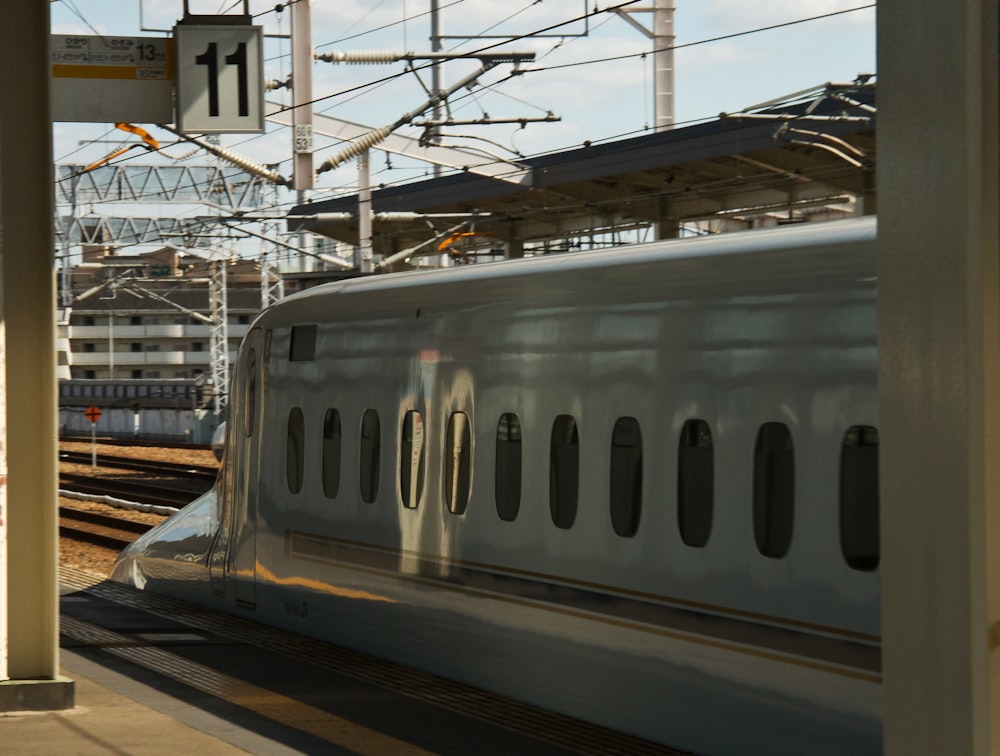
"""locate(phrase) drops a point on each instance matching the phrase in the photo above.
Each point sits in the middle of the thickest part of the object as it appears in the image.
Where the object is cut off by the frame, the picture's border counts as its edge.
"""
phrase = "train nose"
(127, 569)
(219, 440)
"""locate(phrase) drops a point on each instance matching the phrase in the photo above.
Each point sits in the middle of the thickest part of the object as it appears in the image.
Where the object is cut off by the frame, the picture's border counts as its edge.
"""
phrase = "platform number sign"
(220, 79)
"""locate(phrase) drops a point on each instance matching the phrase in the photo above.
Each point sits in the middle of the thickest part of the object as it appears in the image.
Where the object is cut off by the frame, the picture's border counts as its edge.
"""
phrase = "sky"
(722, 64)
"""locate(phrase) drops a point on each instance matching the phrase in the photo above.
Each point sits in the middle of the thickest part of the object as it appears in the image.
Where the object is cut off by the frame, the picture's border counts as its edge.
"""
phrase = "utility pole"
(663, 63)
(662, 34)
(302, 110)
(272, 285)
(365, 254)
(437, 46)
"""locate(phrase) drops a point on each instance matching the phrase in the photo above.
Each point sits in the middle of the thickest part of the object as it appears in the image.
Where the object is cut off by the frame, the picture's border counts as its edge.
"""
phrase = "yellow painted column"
(28, 299)
(939, 374)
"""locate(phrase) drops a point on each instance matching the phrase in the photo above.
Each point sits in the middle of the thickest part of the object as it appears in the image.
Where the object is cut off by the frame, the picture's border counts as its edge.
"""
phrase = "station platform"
(158, 676)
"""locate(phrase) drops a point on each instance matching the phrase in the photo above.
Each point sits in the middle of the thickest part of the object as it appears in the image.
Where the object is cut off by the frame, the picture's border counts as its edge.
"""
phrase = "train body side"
(714, 647)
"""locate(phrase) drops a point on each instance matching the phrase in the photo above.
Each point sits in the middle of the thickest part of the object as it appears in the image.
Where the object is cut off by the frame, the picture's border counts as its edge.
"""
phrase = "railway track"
(205, 473)
(99, 529)
(85, 438)
(158, 493)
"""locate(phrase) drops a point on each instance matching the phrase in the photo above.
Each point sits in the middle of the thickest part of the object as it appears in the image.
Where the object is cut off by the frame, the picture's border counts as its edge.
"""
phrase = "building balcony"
(103, 332)
(151, 360)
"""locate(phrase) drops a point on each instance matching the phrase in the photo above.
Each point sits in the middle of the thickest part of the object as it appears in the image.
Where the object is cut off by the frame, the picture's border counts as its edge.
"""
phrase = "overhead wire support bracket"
(372, 138)
(457, 158)
(828, 142)
(796, 117)
(309, 222)
(375, 57)
(319, 256)
(549, 117)
(221, 152)
(415, 251)
(245, 18)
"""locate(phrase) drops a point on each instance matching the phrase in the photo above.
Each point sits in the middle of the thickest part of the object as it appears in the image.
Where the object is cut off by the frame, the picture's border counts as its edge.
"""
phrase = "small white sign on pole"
(220, 79)
(93, 414)
(112, 79)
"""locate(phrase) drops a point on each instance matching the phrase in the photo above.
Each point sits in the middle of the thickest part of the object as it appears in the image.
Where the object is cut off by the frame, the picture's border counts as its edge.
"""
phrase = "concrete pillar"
(515, 244)
(663, 63)
(868, 200)
(939, 374)
(668, 225)
(27, 274)
(366, 262)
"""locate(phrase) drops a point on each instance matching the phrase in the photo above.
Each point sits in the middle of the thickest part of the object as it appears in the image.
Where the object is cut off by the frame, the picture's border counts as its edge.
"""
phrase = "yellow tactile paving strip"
(546, 726)
(266, 703)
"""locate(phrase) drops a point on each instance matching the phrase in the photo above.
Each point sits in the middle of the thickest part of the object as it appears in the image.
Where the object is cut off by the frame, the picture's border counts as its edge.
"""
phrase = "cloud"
(736, 15)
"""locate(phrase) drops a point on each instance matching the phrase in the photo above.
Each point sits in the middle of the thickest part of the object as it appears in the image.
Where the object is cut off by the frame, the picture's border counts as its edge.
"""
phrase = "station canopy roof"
(806, 156)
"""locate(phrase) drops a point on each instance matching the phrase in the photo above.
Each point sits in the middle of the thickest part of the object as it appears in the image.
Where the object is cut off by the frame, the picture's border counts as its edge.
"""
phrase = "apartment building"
(146, 316)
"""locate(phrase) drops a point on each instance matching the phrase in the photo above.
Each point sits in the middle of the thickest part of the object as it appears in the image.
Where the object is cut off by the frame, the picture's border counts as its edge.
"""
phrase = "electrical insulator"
(370, 57)
(273, 84)
(356, 148)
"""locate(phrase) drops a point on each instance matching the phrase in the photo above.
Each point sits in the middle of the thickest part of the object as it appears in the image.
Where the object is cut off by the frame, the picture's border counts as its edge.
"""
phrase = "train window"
(303, 346)
(331, 453)
(294, 449)
(626, 476)
(859, 502)
(773, 490)
(251, 391)
(371, 444)
(507, 483)
(695, 483)
(458, 463)
(564, 471)
(411, 459)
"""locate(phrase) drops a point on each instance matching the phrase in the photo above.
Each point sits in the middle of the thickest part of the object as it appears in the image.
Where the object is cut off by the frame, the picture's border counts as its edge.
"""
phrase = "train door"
(234, 556)
(247, 483)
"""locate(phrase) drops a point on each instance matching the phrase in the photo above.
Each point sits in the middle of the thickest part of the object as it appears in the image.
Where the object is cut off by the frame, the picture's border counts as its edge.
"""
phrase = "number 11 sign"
(220, 79)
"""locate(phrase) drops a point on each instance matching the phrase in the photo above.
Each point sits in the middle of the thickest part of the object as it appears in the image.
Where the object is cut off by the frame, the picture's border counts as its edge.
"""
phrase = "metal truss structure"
(126, 231)
(223, 185)
(218, 186)
(219, 337)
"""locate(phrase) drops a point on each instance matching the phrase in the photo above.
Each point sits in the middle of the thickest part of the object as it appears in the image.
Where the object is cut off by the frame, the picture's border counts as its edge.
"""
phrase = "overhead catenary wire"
(522, 71)
(708, 40)
(493, 87)
(580, 63)
(471, 54)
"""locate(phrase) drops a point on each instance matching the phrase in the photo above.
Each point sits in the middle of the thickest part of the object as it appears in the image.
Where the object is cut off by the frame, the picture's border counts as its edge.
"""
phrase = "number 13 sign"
(220, 79)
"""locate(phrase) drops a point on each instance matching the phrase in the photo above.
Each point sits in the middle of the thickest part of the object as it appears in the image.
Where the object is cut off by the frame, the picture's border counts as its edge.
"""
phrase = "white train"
(638, 487)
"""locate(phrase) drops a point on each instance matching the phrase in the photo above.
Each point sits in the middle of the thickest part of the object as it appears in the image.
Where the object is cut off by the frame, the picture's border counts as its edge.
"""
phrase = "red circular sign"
(92, 414)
